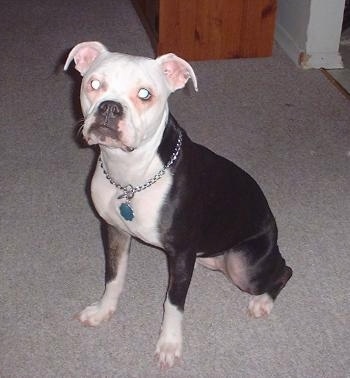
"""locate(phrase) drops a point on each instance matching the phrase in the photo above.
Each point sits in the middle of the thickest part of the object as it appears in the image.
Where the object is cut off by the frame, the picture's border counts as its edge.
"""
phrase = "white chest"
(146, 205)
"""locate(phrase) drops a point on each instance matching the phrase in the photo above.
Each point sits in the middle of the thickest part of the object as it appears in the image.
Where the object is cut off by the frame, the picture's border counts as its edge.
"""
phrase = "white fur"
(134, 168)
(169, 346)
(260, 305)
(146, 206)
(113, 71)
(102, 311)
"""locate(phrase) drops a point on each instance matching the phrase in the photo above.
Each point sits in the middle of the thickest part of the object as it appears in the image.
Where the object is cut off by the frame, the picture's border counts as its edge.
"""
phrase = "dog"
(153, 183)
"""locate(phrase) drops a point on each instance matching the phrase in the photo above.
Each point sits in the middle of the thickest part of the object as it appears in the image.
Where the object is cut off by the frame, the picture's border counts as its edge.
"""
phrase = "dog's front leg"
(169, 346)
(117, 251)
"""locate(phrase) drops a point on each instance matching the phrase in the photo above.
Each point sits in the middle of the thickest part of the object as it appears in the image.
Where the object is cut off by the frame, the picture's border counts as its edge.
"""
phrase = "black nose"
(110, 109)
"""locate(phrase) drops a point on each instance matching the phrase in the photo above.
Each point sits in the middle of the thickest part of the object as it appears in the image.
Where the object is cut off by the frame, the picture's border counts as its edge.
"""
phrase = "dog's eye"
(95, 84)
(144, 94)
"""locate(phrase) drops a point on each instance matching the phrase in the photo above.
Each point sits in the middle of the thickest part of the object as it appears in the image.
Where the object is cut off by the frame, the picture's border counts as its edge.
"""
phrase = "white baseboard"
(287, 43)
(328, 60)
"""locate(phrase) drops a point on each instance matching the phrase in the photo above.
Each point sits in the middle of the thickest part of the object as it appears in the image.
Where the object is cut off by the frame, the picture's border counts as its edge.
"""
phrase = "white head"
(123, 97)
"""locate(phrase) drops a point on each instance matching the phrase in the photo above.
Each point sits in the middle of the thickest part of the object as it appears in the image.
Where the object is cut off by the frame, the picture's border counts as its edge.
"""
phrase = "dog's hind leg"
(259, 269)
(261, 305)
(116, 254)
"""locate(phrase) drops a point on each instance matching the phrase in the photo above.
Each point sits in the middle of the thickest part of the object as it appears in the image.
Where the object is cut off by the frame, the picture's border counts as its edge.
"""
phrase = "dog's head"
(124, 97)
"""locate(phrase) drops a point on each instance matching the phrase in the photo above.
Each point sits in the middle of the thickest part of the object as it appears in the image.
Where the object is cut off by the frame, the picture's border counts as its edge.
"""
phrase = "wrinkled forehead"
(126, 71)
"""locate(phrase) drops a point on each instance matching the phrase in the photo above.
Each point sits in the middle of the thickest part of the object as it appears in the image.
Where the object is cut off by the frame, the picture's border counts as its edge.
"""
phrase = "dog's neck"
(139, 165)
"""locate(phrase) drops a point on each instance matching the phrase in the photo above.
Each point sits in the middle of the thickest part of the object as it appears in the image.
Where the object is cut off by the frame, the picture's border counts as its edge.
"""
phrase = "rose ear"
(176, 71)
(84, 54)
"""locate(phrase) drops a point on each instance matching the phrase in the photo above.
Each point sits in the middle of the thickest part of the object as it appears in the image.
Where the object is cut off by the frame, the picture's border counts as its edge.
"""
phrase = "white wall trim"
(327, 60)
(288, 44)
(323, 34)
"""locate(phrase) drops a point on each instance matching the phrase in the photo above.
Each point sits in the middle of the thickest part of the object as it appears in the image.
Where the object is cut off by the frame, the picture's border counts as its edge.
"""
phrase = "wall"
(309, 31)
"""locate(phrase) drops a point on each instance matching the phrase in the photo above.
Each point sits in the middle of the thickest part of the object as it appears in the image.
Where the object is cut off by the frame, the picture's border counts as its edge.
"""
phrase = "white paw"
(260, 305)
(96, 314)
(168, 352)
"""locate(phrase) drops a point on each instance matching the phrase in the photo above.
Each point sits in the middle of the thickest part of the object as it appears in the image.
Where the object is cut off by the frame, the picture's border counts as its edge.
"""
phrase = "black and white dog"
(153, 183)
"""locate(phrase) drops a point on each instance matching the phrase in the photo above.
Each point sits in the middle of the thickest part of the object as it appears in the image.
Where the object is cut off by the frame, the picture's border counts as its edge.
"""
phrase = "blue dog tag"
(126, 211)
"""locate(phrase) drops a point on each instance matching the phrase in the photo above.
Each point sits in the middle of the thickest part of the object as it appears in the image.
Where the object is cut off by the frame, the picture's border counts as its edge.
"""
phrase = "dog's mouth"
(104, 132)
(107, 127)
(106, 136)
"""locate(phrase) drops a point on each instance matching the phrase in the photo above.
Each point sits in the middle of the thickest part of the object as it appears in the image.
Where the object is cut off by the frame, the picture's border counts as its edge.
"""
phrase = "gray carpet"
(287, 127)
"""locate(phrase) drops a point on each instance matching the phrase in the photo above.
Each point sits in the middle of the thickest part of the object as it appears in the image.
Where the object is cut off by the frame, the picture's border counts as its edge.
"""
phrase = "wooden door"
(216, 29)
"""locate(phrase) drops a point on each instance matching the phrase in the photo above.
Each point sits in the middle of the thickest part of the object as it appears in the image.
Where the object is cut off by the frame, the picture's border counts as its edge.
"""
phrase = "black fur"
(215, 207)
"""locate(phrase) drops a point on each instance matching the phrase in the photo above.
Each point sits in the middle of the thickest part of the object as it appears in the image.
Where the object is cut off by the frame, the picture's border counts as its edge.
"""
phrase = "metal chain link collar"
(130, 190)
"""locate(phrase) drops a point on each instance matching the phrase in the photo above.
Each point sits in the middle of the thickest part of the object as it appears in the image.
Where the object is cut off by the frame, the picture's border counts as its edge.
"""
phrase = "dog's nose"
(110, 109)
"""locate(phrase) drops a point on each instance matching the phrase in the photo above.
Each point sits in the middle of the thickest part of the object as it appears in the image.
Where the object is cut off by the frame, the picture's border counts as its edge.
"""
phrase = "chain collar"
(130, 190)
